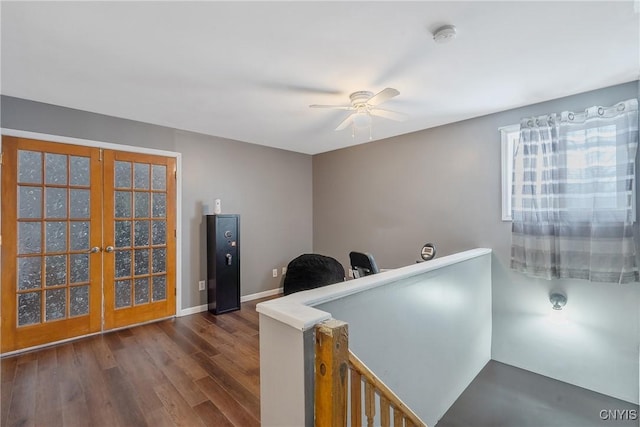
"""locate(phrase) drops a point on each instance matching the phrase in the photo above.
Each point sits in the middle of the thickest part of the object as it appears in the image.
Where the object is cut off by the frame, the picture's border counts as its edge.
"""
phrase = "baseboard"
(259, 295)
(245, 298)
(192, 310)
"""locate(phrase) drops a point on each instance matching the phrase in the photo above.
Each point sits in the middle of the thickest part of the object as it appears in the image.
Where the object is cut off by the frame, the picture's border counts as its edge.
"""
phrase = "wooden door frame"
(128, 148)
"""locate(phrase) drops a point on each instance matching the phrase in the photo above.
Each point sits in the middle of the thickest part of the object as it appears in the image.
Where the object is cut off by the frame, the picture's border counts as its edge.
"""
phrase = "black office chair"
(362, 264)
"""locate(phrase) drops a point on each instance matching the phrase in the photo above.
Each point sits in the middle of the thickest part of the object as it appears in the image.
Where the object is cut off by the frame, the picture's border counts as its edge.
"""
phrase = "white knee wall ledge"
(296, 310)
(287, 340)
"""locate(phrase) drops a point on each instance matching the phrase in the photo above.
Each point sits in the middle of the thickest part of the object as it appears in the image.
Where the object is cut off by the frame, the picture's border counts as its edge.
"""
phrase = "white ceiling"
(249, 70)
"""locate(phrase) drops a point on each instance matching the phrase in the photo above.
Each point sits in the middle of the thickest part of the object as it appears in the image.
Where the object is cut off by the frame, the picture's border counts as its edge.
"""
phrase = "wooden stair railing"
(338, 370)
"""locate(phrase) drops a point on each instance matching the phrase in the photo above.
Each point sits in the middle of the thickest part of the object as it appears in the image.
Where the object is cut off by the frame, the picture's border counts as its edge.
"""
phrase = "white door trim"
(133, 149)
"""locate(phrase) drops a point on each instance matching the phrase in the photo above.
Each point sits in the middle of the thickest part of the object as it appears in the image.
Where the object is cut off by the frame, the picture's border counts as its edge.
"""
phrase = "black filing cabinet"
(223, 263)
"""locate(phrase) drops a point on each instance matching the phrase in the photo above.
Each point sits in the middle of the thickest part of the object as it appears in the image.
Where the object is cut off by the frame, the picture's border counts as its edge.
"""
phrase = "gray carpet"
(505, 396)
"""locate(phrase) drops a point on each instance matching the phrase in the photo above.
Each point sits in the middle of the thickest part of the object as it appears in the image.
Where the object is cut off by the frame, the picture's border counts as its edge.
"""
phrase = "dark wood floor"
(203, 370)
(197, 370)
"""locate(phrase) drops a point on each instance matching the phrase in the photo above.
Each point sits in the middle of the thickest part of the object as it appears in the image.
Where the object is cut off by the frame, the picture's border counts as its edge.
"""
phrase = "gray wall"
(443, 185)
(269, 188)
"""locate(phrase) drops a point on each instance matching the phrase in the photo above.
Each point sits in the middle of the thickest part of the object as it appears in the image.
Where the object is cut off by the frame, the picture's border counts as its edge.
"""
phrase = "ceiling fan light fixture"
(364, 105)
(361, 119)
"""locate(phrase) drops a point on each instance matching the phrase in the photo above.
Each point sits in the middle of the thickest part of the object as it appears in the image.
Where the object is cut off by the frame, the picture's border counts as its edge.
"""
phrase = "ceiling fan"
(364, 104)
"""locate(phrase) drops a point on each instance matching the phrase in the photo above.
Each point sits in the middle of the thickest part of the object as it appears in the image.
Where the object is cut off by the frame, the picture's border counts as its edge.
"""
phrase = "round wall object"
(428, 252)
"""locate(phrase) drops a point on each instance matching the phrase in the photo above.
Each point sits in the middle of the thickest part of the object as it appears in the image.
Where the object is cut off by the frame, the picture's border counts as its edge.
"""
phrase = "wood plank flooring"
(197, 370)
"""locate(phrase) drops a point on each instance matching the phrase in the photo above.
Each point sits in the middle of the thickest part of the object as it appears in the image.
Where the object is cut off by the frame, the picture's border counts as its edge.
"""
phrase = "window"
(509, 136)
(613, 190)
(572, 208)
(612, 200)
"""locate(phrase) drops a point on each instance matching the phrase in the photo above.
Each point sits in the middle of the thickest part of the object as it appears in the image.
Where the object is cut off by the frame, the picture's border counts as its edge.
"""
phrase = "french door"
(139, 230)
(88, 240)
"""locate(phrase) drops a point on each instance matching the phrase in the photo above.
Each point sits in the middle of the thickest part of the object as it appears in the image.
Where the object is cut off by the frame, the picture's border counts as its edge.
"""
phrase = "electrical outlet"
(284, 270)
(202, 285)
(275, 272)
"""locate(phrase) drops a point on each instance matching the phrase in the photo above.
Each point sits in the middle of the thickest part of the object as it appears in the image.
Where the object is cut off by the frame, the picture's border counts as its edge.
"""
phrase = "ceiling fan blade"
(335, 107)
(346, 122)
(388, 114)
(382, 96)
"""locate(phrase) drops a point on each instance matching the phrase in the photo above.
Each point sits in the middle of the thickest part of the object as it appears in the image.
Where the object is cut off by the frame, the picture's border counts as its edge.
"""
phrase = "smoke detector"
(445, 34)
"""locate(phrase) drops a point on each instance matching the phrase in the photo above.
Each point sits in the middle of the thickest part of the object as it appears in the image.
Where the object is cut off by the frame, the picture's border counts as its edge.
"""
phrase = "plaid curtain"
(573, 204)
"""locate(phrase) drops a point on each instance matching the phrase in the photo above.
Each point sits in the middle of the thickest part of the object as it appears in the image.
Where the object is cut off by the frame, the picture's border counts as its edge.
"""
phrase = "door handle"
(109, 249)
(94, 250)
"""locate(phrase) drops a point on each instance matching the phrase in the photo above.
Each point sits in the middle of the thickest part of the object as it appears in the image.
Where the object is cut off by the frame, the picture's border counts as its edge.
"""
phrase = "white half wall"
(426, 337)
(424, 329)
(282, 375)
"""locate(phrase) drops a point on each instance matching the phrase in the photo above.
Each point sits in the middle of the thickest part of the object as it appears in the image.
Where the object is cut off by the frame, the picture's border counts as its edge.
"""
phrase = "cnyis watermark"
(619, 414)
